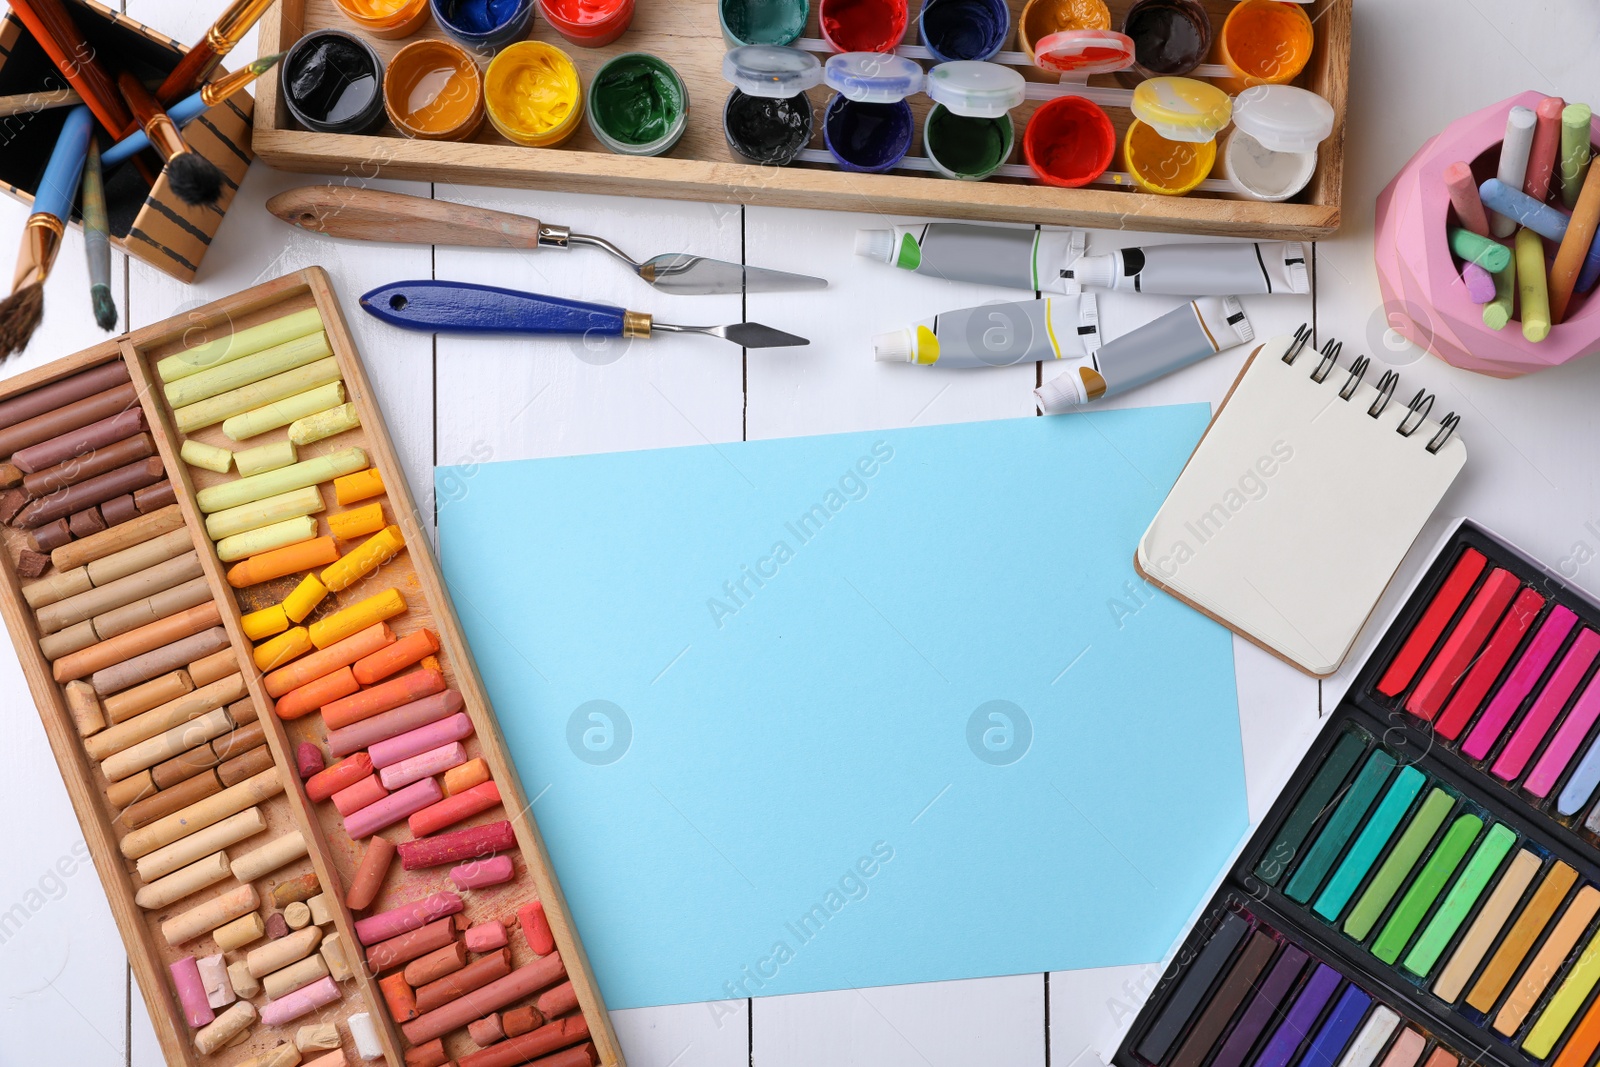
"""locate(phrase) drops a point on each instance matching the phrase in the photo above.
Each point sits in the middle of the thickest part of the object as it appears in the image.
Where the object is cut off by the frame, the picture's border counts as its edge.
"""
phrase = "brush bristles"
(19, 317)
(105, 309)
(194, 178)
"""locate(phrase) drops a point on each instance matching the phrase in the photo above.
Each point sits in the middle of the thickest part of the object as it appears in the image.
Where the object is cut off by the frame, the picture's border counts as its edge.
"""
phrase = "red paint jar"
(862, 25)
(588, 23)
(1069, 141)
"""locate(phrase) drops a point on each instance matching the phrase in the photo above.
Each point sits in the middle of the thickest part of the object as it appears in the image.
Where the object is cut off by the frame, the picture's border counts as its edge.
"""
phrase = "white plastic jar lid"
(976, 89)
(1084, 52)
(1283, 118)
(873, 77)
(771, 70)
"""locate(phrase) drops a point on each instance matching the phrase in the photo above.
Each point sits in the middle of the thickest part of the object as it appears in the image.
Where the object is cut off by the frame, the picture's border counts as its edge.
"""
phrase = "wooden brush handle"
(191, 70)
(156, 123)
(51, 25)
(374, 215)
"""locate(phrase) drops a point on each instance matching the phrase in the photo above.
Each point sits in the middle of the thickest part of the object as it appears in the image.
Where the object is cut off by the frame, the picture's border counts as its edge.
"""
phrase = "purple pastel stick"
(1263, 1007)
(1480, 283)
(1297, 1025)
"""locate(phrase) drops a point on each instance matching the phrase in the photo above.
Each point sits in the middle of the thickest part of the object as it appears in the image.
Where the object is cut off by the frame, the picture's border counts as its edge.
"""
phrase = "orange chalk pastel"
(330, 659)
(362, 485)
(359, 522)
(316, 693)
(380, 698)
(396, 657)
(317, 552)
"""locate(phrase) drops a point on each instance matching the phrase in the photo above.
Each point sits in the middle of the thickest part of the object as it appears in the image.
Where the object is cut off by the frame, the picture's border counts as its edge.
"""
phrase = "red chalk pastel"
(451, 810)
(455, 847)
(308, 760)
(536, 928)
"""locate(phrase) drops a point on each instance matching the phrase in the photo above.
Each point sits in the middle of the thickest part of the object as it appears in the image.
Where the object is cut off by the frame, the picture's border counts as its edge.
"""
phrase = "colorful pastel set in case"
(288, 776)
(1426, 890)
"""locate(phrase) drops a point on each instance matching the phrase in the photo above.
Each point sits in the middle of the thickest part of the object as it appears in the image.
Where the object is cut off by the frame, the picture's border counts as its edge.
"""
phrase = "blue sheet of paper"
(854, 710)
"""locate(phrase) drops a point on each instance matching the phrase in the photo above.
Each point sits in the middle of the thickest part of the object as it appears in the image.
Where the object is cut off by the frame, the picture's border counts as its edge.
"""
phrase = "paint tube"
(1207, 269)
(998, 335)
(1183, 336)
(1015, 257)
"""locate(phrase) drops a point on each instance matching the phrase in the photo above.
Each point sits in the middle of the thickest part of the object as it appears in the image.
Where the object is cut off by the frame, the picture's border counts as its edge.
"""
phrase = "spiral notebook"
(1300, 501)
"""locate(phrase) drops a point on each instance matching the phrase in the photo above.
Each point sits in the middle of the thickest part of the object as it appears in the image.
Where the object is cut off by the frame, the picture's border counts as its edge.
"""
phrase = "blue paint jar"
(868, 126)
(485, 26)
(964, 29)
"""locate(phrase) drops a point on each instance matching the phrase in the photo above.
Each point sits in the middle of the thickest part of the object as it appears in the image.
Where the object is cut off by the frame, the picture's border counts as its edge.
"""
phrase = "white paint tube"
(998, 335)
(1052, 260)
(1183, 336)
(1218, 268)
(1015, 257)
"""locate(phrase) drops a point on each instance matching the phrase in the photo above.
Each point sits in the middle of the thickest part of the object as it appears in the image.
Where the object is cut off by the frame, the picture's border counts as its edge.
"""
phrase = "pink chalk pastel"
(1565, 744)
(1465, 199)
(406, 918)
(405, 718)
(1557, 691)
(485, 937)
(302, 1001)
(191, 992)
(1526, 672)
(214, 977)
(1480, 283)
(441, 759)
(1546, 144)
(352, 798)
(1424, 300)
(388, 753)
(393, 808)
(480, 874)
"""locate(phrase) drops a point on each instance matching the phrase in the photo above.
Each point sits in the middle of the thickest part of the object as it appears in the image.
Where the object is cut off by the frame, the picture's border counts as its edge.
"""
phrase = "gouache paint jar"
(1272, 152)
(767, 118)
(532, 94)
(433, 91)
(968, 133)
(1171, 146)
(638, 105)
(1069, 141)
(868, 126)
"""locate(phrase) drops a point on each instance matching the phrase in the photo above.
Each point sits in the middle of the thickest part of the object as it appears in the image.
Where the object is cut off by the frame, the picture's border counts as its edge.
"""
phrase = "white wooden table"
(65, 992)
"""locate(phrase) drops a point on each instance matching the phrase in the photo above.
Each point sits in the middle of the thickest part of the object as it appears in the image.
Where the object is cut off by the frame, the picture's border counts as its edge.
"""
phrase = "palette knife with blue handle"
(462, 307)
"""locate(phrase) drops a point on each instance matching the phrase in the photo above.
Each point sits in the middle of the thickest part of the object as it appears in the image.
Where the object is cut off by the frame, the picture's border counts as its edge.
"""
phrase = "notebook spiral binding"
(1417, 411)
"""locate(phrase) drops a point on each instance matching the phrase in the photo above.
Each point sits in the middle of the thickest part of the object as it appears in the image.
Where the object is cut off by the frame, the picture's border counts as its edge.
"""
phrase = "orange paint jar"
(1264, 42)
(432, 91)
(1041, 18)
(388, 19)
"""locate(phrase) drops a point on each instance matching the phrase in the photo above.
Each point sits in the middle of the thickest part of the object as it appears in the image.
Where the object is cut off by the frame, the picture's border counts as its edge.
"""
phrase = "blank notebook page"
(1297, 507)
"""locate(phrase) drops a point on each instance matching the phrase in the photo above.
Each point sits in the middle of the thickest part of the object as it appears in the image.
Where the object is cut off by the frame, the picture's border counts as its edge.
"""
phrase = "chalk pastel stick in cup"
(1513, 163)
(1463, 189)
(1546, 144)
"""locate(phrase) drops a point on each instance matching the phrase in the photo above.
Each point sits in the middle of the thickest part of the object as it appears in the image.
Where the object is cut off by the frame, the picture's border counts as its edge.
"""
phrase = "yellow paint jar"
(1041, 18)
(533, 95)
(433, 91)
(388, 19)
(1264, 42)
(1172, 143)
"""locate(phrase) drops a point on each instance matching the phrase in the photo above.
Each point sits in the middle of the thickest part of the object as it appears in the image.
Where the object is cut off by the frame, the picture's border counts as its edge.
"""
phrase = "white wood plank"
(62, 966)
(685, 1035)
(571, 395)
(998, 1022)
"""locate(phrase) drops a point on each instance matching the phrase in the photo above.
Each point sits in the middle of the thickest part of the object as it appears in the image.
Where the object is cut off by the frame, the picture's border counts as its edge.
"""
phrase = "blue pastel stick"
(1591, 268)
(1337, 1028)
(1581, 786)
(183, 112)
(1542, 219)
(58, 188)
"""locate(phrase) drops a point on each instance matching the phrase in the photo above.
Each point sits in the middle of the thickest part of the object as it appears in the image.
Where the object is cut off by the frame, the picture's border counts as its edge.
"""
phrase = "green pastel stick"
(1374, 836)
(1341, 826)
(1426, 888)
(1575, 150)
(1318, 795)
(1490, 255)
(248, 370)
(1497, 312)
(1386, 883)
(307, 472)
(237, 344)
(1459, 901)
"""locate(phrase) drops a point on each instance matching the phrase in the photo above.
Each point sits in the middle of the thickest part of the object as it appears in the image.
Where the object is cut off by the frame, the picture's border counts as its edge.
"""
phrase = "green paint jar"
(637, 106)
(774, 22)
(968, 133)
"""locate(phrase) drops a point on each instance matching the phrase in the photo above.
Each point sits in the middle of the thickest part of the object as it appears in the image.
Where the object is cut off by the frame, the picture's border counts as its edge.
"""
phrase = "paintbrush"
(194, 178)
(51, 26)
(41, 234)
(97, 240)
(203, 58)
(48, 100)
(193, 106)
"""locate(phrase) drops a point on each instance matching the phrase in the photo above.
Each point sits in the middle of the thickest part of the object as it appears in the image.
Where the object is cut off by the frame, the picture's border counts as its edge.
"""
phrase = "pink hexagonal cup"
(1423, 295)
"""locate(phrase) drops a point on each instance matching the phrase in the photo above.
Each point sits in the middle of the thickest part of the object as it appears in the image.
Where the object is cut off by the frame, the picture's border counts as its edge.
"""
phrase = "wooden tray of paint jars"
(333, 855)
(702, 167)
